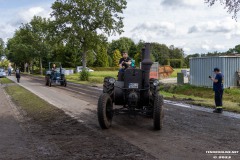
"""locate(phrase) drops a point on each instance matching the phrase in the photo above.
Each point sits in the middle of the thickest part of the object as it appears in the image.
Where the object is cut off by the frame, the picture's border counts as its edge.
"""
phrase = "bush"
(105, 68)
(37, 71)
(84, 75)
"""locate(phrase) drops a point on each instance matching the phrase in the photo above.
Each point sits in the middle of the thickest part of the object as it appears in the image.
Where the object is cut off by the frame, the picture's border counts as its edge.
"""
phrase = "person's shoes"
(217, 110)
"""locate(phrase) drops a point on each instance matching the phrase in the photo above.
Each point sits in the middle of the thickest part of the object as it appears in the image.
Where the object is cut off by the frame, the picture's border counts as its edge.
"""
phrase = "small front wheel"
(50, 83)
(47, 80)
(65, 84)
(105, 111)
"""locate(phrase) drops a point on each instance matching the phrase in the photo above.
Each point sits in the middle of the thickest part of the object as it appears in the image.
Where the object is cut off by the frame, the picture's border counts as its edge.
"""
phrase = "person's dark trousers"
(218, 99)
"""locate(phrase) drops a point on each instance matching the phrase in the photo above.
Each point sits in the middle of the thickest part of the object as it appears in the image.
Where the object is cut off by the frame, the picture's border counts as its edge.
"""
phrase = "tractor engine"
(133, 98)
(133, 82)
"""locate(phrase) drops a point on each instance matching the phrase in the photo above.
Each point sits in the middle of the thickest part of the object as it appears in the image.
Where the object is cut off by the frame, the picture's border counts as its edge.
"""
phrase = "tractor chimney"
(146, 64)
(143, 52)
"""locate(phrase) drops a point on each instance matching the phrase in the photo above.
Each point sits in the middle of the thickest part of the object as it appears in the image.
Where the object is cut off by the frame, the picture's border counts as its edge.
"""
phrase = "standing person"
(9, 70)
(218, 89)
(18, 76)
(124, 62)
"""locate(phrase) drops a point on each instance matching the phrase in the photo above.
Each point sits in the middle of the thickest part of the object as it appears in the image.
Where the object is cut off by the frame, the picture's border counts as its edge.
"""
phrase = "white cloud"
(186, 49)
(219, 47)
(26, 15)
(180, 3)
(225, 26)
(18, 17)
(161, 28)
(183, 23)
(205, 47)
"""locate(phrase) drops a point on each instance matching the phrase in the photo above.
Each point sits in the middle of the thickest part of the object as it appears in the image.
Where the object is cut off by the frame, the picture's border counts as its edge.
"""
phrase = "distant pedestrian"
(9, 71)
(18, 76)
(218, 89)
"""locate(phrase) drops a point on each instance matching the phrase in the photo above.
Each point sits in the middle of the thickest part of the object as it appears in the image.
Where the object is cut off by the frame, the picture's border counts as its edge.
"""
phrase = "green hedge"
(105, 68)
(37, 71)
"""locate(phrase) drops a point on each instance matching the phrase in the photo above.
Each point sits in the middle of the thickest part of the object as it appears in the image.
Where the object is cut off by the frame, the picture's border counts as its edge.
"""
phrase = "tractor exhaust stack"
(146, 64)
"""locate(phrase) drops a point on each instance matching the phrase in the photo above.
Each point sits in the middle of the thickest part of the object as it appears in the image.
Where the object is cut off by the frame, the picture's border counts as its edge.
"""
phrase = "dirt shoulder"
(15, 142)
(56, 135)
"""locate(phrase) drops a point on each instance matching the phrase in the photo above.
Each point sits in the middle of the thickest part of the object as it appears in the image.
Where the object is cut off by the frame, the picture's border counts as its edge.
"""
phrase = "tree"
(116, 57)
(39, 29)
(4, 63)
(20, 48)
(123, 44)
(187, 59)
(88, 22)
(237, 49)
(161, 52)
(137, 58)
(91, 58)
(101, 57)
(233, 6)
(2, 47)
(110, 61)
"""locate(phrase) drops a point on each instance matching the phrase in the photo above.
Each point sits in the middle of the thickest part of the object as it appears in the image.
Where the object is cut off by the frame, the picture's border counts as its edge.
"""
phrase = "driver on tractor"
(124, 62)
(54, 67)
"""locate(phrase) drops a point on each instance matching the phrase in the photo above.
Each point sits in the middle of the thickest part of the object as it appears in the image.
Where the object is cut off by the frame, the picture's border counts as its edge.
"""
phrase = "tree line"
(77, 34)
(230, 52)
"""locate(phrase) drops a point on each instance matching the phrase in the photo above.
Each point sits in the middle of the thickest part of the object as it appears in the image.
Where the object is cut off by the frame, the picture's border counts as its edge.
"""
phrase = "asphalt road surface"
(188, 133)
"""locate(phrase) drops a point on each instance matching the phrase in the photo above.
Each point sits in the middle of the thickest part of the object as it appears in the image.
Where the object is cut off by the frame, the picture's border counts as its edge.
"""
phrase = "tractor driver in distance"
(54, 67)
(124, 62)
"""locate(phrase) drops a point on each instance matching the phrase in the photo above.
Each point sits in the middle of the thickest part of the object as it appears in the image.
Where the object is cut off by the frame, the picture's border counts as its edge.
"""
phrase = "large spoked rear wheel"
(158, 112)
(105, 111)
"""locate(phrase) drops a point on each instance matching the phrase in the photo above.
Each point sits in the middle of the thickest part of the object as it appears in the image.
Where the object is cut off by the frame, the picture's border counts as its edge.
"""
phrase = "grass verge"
(202, 96)
(5, 81)
(94, 78)
(176, 70)
(35, 107)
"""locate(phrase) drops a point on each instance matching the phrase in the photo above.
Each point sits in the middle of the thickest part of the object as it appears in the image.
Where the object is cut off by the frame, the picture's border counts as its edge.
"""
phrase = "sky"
(189, 24)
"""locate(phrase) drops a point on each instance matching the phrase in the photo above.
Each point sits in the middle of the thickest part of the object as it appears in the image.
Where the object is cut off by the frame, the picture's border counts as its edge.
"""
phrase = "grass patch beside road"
(5, 81)
(35, 107)
(176, 70)
(202, 96)
(94, 78)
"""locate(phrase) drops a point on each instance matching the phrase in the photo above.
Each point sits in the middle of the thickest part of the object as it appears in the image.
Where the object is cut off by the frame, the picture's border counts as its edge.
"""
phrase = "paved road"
(187, 133)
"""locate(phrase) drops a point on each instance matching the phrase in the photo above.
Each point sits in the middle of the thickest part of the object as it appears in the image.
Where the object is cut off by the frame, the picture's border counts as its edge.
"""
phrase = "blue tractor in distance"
(55, 75)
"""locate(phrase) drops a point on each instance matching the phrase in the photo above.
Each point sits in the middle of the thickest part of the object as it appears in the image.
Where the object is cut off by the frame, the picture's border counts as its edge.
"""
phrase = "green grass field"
(174, 74)
(98, 76)
(5, 81)
(94, 78)
(202, 96)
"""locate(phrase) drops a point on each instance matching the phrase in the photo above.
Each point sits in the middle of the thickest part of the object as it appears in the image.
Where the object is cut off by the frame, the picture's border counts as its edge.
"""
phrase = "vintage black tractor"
(135, 92)
(55, 75)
